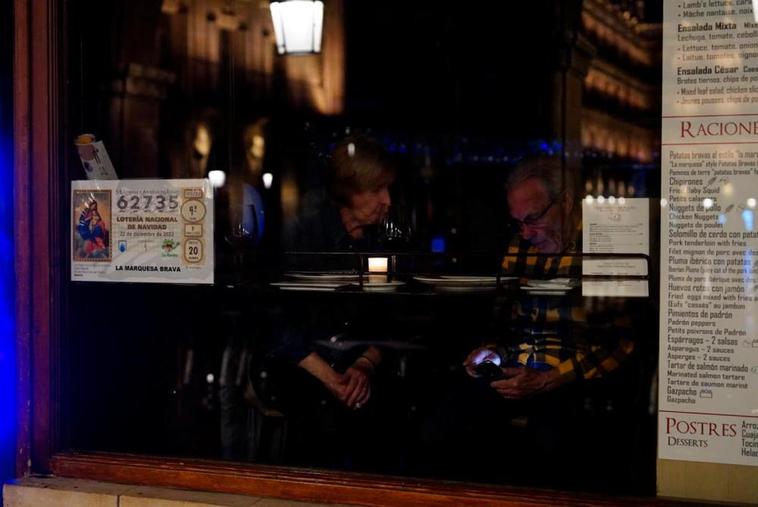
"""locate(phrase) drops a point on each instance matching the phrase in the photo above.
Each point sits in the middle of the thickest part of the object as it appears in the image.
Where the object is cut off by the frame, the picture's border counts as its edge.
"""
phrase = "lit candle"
(377, 268)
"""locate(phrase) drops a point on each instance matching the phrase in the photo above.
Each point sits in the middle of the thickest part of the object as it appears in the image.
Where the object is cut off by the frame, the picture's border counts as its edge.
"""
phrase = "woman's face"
(369, 206)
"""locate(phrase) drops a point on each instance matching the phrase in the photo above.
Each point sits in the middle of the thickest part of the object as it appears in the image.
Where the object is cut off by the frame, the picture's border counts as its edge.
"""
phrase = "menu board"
(158, 231)
(708, 390)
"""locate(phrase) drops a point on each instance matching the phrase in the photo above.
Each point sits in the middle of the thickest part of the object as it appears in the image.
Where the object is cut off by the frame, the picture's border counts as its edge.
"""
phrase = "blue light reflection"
(438, 244)
(7, 287)
(748, 218)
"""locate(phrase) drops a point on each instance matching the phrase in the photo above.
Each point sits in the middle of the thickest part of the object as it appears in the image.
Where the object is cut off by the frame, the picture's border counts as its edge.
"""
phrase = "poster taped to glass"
(154, 231)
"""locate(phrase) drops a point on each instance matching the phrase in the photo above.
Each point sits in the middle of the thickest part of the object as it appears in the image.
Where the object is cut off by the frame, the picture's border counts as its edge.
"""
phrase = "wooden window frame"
(39, 72)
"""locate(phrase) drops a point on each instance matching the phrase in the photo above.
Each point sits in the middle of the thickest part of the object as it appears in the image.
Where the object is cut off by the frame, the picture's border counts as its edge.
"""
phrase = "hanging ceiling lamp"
(298, 26)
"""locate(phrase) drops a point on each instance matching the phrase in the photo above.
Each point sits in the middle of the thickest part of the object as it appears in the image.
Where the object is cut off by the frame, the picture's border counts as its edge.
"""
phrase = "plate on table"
(382, 286)
(552, 287)
(534, 291)
(347, 276)
(469, 279)
(461, 283)
(306, 285)
(552, 284)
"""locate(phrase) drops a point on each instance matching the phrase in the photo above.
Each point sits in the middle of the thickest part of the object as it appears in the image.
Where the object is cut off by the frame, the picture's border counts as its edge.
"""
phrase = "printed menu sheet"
(158, 231)
(708, 390)
(618, 226)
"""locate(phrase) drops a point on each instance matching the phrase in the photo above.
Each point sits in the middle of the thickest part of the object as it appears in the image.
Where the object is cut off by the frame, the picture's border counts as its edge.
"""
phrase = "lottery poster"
(153, 231)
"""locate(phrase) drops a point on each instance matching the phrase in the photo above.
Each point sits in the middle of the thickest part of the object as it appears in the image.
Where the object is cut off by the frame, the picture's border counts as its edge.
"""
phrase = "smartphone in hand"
(489, 371)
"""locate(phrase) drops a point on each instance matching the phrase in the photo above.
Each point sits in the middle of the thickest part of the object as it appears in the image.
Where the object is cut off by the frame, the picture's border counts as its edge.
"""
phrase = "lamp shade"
(298, 25)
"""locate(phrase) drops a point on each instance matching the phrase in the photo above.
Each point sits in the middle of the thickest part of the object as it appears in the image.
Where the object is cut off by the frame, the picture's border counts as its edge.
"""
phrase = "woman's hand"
(332, 380)
(357, 385)
(353, 388)
(337, 385)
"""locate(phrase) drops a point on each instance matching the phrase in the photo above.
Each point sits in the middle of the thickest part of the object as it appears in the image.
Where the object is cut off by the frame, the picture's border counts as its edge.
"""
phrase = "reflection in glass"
(218, 372)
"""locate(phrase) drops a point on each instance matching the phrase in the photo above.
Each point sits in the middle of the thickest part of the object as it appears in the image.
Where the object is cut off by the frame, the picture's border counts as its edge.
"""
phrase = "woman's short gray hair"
(359, 163)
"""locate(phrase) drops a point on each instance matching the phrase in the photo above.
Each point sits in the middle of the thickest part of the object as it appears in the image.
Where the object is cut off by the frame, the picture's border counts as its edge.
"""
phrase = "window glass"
(397, 238)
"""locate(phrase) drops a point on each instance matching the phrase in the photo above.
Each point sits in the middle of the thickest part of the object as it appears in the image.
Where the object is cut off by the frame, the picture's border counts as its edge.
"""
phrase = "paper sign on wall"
(158, 231)
(618, 226)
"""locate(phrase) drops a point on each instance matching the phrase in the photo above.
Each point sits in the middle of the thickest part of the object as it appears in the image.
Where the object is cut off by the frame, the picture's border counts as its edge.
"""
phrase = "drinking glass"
(394, 229)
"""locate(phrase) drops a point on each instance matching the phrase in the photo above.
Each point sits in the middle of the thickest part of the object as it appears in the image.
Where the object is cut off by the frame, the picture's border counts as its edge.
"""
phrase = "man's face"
(541, 220)
(368, 207)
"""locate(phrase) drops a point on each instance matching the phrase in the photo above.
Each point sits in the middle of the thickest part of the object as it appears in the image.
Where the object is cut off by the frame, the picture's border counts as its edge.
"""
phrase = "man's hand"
(478, 356)
(526, 382)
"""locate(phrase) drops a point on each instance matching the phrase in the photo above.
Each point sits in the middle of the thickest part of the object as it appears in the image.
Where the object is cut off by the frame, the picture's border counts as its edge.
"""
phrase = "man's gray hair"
(547, 170)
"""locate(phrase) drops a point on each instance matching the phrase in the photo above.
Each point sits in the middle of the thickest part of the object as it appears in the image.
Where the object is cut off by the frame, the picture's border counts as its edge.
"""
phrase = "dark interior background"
(458, 93)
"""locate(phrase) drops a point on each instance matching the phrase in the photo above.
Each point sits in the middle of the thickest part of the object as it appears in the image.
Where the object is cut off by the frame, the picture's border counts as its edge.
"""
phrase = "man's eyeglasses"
(534, 219)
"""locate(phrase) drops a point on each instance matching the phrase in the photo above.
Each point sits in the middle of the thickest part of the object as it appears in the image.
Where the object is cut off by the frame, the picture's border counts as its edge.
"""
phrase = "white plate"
(469, 279)
(382, 286)
(464, 288)
(312, 286)
(460, 281)
(555, 283)
(324, 277)
(545, 292)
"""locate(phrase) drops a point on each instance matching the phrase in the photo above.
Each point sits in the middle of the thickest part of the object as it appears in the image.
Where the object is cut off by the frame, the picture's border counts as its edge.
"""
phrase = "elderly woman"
(325, 392)
(359, 180)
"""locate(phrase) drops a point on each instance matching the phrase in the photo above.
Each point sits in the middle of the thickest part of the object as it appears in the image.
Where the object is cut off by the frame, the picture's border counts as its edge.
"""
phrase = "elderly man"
(536, 365)
(553, 351)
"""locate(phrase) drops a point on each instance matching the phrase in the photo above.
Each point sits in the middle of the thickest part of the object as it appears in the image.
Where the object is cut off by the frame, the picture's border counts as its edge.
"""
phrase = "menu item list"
(709, 246)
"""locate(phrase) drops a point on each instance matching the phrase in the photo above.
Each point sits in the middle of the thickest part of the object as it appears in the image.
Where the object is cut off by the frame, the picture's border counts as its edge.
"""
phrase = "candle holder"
(377, 269)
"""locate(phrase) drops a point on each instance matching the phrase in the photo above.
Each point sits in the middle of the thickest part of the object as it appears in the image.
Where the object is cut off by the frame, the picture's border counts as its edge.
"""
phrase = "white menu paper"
(614, 227)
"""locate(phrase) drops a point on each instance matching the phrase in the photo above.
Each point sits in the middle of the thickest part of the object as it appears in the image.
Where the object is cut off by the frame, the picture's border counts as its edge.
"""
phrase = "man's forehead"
(532, 189)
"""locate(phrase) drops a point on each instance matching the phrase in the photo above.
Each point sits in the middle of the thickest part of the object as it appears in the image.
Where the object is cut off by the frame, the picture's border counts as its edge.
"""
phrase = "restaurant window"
(401, 282)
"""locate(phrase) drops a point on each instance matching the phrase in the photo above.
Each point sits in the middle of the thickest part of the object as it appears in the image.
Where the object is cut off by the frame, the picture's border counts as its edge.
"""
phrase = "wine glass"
(243, 237)
(394, 229)
(244, 233)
